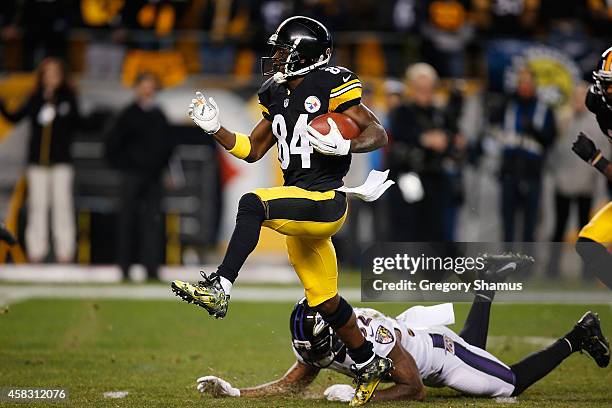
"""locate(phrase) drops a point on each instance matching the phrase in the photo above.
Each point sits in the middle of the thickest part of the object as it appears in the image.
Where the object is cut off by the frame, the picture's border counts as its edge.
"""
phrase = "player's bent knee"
(335, 318)
(251, 204)
(588, 248)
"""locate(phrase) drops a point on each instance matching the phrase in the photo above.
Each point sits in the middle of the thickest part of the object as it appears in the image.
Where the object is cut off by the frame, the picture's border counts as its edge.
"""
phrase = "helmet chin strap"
(281, 77)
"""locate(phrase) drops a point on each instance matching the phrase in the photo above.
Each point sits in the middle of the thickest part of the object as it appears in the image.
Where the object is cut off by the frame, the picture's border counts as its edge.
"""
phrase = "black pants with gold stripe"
(593, 242)
(308, 219)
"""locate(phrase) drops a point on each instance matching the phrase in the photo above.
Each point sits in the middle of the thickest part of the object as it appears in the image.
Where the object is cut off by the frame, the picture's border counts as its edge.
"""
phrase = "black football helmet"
(313, 339)
(603, 77)
(299, 45)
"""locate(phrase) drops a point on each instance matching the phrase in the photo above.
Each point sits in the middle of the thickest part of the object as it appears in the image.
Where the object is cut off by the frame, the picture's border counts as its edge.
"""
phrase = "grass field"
(156, 349)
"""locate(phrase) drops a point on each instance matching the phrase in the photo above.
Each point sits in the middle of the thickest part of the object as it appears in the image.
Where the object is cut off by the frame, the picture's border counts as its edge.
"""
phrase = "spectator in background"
(421, 142)
(218, 51)
(394, 92)
(506, 18)
(600, 17)
(44, 26)
(139, 146)
(52, 111)
(264, 17)
(574, 184)
(528, 130)
(106, 43)
(401, 19)
(446, 33)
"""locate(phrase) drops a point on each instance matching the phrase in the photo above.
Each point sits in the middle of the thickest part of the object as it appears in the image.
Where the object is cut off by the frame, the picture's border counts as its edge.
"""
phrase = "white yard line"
(14, 293)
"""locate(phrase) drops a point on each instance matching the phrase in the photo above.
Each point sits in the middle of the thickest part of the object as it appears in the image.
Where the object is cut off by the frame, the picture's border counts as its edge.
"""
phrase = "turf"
(156, 349)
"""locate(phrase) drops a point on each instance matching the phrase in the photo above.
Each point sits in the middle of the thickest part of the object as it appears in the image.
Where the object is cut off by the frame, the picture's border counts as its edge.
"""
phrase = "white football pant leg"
(37, 230)
(469, 369)
(63, 212)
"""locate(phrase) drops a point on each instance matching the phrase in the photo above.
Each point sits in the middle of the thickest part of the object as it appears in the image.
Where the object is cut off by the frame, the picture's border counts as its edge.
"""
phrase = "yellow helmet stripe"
(608, 62)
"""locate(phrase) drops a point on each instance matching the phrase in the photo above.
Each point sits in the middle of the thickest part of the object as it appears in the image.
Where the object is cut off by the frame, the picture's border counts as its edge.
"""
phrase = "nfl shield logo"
(286, 103)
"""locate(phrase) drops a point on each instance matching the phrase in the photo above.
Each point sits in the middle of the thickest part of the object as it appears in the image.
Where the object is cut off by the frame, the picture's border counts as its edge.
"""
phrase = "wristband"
(600, 162)
(242, 148)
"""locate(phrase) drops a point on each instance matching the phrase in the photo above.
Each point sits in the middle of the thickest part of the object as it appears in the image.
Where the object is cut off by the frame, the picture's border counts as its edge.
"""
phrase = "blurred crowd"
(220, 36)
(420, 51)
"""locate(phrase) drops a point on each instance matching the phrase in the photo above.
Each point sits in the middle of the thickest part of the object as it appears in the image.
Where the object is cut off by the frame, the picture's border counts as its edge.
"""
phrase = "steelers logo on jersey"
(383, 335)
(312, 104)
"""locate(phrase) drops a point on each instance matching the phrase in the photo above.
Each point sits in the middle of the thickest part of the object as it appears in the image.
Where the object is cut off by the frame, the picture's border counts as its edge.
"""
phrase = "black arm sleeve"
(20, 113)
(592, 100)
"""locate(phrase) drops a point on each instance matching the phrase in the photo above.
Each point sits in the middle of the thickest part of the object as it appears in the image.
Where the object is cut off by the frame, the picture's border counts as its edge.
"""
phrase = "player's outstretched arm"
(205, 114)
(295, 380)
(587, 151)
(408, 383)
(373, 135)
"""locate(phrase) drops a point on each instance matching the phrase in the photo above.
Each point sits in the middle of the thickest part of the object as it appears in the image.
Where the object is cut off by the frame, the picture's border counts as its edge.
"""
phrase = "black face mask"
(321, 352)
(280, 59)
(606, 88)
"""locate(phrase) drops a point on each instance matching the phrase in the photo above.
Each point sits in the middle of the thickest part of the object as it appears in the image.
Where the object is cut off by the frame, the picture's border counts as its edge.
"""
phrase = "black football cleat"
(594, 342)
(499, 267)
(368, 377)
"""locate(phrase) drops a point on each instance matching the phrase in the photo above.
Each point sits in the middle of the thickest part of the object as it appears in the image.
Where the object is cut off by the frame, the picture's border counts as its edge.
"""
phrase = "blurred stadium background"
(477, 47)
(104, 341)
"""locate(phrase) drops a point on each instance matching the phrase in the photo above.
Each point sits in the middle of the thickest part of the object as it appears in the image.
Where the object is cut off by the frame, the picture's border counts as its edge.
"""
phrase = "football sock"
(251, 214)
(597, 259)
(486, 295)
(537, 365)
(340, 316)
(476, 327)
(225, 284)
(362, 355)
(574, 336)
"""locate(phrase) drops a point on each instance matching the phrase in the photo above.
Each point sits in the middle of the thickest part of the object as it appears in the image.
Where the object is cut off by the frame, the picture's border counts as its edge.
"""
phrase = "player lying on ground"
(434, 356)
(596, 236)
(308, 209)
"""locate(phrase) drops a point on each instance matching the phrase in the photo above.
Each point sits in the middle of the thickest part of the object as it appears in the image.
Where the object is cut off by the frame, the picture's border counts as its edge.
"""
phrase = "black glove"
(6, 236)
(585, 148)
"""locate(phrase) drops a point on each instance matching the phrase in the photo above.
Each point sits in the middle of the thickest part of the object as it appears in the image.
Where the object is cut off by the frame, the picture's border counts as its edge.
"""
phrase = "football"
(347, 126)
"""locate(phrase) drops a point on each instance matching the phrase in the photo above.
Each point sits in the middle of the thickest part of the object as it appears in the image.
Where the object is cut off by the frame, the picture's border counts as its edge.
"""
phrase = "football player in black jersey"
(307, 208)
(596, 236)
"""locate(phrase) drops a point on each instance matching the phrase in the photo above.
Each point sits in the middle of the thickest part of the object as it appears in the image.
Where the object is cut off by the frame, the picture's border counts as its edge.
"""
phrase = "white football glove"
(332, 144)
(217, 387)
(204, 113)
(339, 392)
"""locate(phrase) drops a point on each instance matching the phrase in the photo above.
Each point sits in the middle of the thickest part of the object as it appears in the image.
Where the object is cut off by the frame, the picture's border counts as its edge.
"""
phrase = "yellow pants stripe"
(274, 193)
